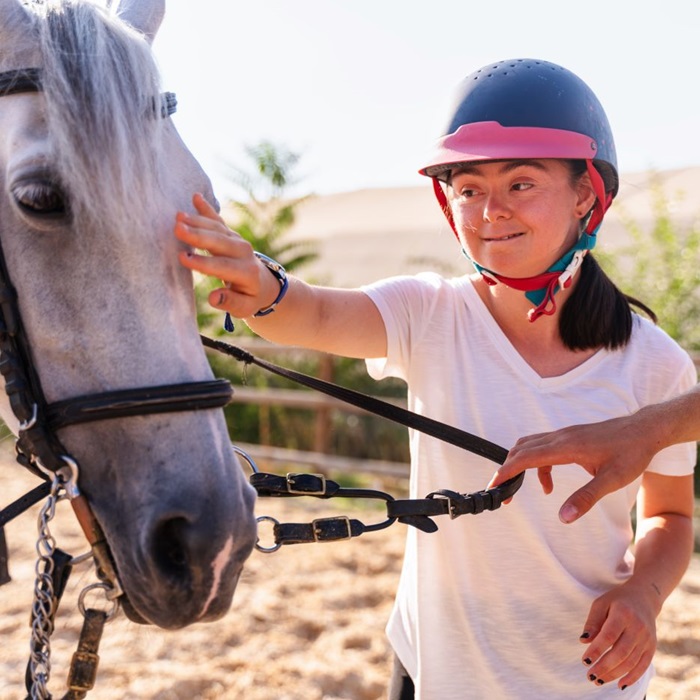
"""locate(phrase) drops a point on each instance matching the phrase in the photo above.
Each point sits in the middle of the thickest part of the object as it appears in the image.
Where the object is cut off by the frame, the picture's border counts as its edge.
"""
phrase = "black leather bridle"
(38, 447)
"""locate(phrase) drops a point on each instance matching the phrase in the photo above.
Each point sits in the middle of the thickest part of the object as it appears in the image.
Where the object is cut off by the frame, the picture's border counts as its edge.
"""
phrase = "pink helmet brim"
(481, 141)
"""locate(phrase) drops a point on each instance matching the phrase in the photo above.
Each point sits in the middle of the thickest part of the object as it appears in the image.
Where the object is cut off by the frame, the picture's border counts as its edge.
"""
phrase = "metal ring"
(67, 475)
(246, 457)
(276, 546)
(70, 473)
(31, 422)
(105, 587)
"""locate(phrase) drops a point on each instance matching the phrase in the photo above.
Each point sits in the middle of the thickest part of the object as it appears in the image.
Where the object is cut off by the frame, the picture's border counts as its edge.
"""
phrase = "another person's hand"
(615, 452)
(230, 259)
(621, 635)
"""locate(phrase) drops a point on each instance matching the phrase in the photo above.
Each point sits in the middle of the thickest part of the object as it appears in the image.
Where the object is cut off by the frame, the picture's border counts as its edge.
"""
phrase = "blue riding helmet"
(526, 108)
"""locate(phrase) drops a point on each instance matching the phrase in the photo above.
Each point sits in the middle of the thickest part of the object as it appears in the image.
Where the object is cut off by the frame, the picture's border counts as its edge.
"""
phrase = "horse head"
(91, 174)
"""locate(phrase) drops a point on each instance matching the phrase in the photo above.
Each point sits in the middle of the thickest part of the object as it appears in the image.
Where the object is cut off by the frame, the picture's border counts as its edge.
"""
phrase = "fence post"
(322, 428)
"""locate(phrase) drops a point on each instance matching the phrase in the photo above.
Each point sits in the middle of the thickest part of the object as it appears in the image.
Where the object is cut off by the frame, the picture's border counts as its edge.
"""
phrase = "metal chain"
(43, 606)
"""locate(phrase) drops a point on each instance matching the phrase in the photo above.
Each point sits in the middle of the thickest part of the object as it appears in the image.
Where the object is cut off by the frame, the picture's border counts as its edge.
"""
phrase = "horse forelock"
(102, 90)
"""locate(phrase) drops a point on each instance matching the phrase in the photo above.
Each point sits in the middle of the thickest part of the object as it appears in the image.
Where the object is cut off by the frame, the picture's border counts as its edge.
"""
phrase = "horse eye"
(39, 198)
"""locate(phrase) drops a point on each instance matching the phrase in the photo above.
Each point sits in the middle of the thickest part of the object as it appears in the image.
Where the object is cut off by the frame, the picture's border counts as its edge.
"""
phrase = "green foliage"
(263, 219)
(267, 214)
(660, 268)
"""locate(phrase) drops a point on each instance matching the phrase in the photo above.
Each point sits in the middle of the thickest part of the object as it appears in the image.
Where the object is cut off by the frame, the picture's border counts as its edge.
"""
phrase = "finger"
(544, 475)
(237, 304)
(203, 223)
(205, 208)
(635, 673)
(511, 468)
(618, 660)
(232, 271)
(597, 616)
(217, 241)
(614, 670)
(580, 502)
(531, 452)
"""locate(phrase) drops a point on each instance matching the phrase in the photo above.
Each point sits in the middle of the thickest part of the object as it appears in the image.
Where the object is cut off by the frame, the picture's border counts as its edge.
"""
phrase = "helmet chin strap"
(540, 289)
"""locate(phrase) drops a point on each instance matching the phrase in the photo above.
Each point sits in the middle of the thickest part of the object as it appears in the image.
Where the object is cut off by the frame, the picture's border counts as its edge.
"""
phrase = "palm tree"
(263, 217)
(267, 214)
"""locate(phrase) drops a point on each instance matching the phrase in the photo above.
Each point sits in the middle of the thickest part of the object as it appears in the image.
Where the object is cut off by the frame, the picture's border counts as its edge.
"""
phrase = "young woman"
(512, 604)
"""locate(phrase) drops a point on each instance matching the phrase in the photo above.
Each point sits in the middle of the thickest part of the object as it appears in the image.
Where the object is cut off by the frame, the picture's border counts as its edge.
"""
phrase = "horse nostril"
(170, 546)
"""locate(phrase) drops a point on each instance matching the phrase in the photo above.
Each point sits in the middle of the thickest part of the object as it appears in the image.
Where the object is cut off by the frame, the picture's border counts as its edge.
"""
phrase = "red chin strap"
(549, 283)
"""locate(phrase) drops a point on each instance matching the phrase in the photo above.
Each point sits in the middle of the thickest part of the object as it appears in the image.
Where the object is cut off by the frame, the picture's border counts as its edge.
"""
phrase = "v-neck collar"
(515, 360)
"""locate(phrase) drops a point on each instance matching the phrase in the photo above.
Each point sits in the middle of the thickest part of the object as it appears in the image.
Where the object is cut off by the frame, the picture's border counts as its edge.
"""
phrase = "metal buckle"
(318, 534)
(297, 492)
(451, 508)
(451, 511)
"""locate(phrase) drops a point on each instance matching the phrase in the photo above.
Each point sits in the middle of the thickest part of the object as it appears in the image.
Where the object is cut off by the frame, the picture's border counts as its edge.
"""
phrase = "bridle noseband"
(21, 80)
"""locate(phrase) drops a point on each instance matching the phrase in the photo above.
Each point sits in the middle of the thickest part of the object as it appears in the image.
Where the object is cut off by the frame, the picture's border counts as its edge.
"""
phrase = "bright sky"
(361, 88)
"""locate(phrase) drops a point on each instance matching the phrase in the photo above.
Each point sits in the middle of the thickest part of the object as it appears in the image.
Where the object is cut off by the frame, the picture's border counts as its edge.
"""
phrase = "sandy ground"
(307, 623)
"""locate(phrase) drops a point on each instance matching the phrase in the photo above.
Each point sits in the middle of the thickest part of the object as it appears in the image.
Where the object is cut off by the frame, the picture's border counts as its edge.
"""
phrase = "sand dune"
(365, 235)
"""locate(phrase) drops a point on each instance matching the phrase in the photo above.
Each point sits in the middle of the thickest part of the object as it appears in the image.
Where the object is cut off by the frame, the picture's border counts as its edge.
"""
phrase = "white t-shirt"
(492, 606)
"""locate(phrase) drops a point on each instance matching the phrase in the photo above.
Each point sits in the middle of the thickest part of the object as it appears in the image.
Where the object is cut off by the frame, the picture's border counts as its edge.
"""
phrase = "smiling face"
(518, 217)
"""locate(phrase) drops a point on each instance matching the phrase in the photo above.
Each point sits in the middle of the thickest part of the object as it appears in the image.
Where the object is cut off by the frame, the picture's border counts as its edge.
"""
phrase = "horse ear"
(13, 19)
(144, 15)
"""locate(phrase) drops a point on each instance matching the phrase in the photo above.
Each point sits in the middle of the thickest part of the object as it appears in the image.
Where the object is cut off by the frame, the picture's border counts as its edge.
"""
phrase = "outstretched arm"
(615, 452)
(341, 321)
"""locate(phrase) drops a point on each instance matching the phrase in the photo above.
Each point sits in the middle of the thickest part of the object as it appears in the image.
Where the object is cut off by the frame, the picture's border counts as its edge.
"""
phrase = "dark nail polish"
(588, 662)
(600, 681)
(623, 687)
(591, 677)
(585, 635)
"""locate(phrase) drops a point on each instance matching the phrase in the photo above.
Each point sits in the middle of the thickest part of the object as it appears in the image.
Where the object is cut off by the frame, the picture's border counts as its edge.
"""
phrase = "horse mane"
(102, 90)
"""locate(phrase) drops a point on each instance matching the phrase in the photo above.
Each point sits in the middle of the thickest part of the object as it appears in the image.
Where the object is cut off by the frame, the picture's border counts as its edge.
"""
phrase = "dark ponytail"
(597, 314)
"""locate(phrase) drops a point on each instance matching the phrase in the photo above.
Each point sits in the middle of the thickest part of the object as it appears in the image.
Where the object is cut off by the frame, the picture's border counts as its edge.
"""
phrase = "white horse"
(91, 176)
